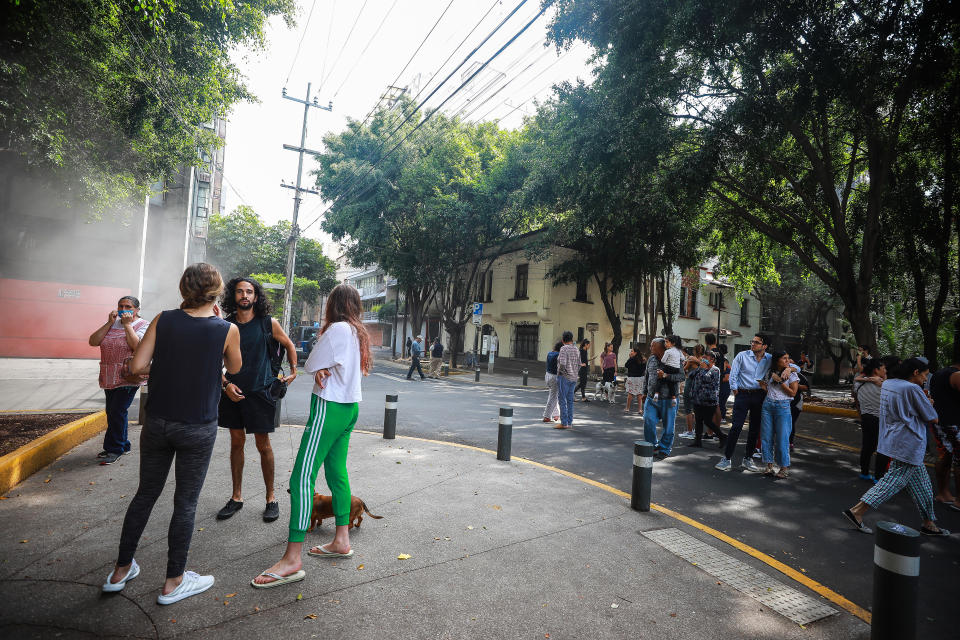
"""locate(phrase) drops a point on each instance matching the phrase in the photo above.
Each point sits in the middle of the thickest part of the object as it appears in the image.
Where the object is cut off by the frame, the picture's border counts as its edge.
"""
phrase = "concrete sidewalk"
(49, 384)
(497, 550)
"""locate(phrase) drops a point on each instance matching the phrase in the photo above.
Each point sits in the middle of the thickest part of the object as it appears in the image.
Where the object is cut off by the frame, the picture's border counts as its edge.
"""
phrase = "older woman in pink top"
(118, 338)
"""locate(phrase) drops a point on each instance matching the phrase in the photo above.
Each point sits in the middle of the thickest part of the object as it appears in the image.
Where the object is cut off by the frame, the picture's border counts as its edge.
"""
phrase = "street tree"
(799, 110)
(106, 97)
(607, 198)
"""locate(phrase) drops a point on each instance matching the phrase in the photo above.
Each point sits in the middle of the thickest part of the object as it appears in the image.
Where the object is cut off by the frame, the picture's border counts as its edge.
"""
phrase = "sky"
(351, 51)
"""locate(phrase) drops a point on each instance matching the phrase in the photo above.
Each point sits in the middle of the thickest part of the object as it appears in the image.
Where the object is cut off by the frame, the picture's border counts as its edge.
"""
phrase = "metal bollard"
(390, 418)
(642, 475)
(446, 369)
(896, 581)
(505, 433)
(142, 417)
(476, 374)
(525, 374)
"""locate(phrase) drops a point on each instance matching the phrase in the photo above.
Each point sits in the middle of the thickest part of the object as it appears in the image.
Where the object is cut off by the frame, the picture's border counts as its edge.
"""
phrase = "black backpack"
(275, 352)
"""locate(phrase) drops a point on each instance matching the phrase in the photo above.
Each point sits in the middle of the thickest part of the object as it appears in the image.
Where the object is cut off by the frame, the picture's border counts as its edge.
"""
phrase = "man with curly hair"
(247, 403)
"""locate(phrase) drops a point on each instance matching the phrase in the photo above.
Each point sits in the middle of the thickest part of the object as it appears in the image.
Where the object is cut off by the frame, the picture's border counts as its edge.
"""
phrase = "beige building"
(527, 313)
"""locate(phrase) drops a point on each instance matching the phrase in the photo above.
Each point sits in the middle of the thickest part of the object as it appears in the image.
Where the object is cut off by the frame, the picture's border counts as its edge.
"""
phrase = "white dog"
(606, 391)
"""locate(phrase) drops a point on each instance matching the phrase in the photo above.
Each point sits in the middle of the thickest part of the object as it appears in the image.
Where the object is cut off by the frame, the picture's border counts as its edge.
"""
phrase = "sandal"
(940, 531)
(278, 579)
(782, 473)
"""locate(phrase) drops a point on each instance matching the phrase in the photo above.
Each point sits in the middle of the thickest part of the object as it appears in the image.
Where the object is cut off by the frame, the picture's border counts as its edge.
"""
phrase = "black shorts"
(254, 413)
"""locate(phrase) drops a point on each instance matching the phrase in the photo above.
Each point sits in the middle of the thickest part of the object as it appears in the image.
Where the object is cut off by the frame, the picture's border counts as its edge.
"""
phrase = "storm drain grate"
(796, 606)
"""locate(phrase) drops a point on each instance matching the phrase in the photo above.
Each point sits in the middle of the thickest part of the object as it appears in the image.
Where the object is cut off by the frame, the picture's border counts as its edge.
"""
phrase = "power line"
(422, 42)
(326, 49)
(387, 139)
(367, 46)
(436, 109)
(333, 68)
(506, 84)
(304, 33)
(497, 106)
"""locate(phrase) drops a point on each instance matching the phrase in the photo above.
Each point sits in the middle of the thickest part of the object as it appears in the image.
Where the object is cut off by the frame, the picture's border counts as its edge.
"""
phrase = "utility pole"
(719, 306)
(294, 229)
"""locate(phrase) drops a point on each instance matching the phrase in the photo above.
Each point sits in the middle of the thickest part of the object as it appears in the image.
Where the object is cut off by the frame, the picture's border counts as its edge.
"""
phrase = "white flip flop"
(278, 580)
(328, 554)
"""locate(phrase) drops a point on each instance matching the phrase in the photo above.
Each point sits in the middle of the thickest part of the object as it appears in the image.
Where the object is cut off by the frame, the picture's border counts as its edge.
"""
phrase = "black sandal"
(862, 528)
(930, 532)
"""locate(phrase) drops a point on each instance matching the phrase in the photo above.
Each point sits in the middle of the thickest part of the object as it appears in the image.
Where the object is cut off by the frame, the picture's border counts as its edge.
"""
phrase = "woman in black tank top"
(184, 351)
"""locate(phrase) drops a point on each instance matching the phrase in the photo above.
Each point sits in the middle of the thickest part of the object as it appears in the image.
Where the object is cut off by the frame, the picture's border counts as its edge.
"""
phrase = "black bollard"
(446, 369)
(505, 433)
(525, 374)
(390, 418)
(642, 475)
(142, 417)
(476, 374)
(896, 582)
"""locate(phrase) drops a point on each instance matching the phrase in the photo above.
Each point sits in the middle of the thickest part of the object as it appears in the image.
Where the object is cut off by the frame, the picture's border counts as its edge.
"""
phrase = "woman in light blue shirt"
(775, 421)
(905, 412)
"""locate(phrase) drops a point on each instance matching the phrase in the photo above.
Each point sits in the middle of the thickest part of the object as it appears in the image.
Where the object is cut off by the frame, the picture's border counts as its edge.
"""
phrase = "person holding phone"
(775, 422)
(118, 338)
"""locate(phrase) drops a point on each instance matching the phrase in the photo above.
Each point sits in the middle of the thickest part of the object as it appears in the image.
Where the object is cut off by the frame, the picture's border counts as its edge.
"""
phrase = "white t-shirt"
(673, 357)
(339, 351)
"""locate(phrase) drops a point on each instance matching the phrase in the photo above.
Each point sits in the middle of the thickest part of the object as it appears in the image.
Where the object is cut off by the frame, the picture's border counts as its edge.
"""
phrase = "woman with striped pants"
(905, 413)
(340, 357)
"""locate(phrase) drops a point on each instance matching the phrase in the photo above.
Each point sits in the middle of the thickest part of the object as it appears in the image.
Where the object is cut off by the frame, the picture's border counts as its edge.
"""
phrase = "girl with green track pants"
(338, 360)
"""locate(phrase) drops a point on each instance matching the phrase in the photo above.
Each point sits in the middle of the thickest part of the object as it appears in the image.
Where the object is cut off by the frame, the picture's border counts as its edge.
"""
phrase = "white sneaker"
(758, 454)
(688, 435)
(192, 584)
(723, 465)
(113, 587)
(750, 465)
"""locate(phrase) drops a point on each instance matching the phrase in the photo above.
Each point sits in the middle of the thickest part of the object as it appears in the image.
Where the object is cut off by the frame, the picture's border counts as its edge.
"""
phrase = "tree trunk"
(636, 309)
(606, 297)
(406, 312)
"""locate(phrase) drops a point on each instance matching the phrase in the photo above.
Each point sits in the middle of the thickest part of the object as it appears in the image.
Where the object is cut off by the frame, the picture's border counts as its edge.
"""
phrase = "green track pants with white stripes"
(325, 441)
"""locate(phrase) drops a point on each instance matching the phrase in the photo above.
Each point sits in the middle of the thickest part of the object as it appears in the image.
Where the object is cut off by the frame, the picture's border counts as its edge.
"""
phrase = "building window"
(693, 304)
(480, 282)
(745, 313)
(683, 301)
(489, 297)
(581, 294)
(629, 300)
(520, 285)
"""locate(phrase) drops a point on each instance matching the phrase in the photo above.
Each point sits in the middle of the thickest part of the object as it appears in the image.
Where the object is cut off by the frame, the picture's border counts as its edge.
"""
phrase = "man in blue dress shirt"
(747, 369)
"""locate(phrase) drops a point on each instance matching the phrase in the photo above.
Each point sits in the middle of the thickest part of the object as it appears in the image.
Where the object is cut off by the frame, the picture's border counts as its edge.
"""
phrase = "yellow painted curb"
(830, 411)
(770, 561)
(17, 466)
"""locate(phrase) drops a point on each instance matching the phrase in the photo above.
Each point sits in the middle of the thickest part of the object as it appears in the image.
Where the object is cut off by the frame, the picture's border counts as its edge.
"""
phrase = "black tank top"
(946, 399)
(187, 364)
(256, 374)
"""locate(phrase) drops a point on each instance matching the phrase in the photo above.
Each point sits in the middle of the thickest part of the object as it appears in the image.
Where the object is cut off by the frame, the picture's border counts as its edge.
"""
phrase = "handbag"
(131, 378)
(277, 389)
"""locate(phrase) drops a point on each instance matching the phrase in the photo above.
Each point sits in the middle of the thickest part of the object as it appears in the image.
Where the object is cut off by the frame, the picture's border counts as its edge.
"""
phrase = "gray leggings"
(160, 441)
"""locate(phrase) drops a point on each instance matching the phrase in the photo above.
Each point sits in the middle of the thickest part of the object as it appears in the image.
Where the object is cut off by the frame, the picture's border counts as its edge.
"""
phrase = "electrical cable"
(333, 68)
(357, 59)
(550, 84)
(436, 109)
(413, 112)
(507, 84)
(300, 43)
(326, 49)
(422, 42)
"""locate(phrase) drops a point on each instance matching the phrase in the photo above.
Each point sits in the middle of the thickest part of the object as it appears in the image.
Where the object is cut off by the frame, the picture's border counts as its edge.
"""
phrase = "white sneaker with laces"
(723, 465)
(192, 584)
(750, 465)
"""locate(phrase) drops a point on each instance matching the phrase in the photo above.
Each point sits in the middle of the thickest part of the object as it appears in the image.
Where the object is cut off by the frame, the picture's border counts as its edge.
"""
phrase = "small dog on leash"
(606, 391)
(323, 508)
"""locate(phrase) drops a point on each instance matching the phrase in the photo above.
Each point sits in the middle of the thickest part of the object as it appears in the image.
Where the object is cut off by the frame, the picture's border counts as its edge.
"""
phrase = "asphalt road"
(796, 520)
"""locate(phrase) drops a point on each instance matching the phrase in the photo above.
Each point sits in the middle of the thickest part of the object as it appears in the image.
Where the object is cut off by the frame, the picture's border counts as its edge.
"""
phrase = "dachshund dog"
(323, 508)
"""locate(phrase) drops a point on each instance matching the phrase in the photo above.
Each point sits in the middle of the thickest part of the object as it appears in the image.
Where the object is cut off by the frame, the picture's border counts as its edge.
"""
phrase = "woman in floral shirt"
(117, 339)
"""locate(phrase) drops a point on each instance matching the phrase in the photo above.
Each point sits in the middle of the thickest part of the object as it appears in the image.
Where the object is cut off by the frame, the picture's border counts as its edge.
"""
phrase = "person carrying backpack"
(249, 399)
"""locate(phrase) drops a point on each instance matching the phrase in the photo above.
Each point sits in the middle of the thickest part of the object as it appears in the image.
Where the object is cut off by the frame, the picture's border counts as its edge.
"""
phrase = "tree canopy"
(109, 97)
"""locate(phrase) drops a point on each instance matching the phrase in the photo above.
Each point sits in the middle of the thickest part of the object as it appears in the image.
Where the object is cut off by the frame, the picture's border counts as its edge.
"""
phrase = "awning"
(723, 333)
